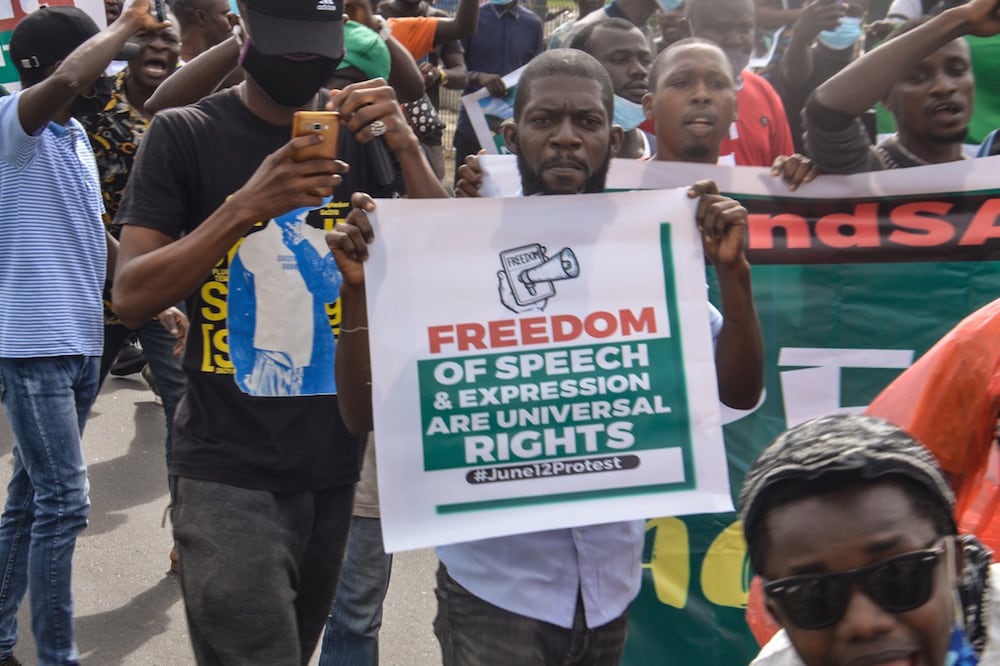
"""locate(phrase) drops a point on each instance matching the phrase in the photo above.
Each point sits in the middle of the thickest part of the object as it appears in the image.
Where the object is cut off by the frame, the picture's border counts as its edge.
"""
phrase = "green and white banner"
(854, 278)
(541, 362)
(12, 11)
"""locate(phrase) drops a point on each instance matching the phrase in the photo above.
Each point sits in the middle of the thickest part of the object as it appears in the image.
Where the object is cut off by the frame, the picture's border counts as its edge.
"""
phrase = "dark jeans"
(258, 569)
(473, 632)
(158, 347)
(351, 637)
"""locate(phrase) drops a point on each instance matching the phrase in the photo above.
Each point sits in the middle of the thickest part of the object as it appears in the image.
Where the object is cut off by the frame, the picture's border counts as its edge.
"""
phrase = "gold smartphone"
(326, 123)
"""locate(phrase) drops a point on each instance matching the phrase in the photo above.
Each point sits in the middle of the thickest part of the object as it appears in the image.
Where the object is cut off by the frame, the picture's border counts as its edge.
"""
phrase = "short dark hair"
(923, 503)
(185, 9)
(661, 60)
(564, 62)
(581, 39)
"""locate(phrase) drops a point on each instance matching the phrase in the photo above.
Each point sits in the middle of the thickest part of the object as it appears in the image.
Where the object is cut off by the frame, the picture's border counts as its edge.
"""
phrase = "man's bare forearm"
(739, 354)
(154, 271)
(353, 362)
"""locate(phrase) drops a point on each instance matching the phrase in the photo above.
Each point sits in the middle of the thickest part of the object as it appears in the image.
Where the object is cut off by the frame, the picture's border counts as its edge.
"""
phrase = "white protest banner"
(487, 113)
(502, 179)
(540, 362)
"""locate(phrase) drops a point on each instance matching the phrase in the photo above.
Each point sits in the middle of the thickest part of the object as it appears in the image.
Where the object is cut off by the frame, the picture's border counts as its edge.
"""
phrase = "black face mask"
(290, 83)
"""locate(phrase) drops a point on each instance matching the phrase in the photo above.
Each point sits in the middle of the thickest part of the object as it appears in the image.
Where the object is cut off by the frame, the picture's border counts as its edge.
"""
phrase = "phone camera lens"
(317, 127)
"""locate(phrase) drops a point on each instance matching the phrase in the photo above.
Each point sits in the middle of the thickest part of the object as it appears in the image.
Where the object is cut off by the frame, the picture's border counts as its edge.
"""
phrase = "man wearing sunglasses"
(849, 521)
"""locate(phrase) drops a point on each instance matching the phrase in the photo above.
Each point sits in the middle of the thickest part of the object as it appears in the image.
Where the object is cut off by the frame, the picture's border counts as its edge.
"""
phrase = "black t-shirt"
(191, 160)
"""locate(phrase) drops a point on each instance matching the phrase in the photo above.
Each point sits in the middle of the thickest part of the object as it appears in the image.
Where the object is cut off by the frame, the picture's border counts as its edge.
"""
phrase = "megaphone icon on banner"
(560, 266)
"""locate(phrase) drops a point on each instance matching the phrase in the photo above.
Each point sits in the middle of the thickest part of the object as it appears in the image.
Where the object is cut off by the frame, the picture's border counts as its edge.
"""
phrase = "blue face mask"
(960, 653)
(628, 115)
(668, 5)
(500, 3)
(844, 37)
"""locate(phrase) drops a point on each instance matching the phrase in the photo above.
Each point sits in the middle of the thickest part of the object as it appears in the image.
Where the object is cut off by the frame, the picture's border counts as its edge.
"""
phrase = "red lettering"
(863, 224)
(932, 231)
(646, 321)
(594, 318)
(438, 336)
(565, 328)
(470, 336)
(502, 333)
(981, 229)
(761, 227)
(533, 331)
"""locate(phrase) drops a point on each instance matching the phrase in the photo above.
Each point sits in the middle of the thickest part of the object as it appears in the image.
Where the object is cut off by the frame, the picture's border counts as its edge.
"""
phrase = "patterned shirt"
(115, 129)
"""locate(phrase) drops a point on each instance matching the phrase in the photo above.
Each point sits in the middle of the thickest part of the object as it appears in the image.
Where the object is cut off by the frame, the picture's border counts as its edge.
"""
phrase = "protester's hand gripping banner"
(540, 362)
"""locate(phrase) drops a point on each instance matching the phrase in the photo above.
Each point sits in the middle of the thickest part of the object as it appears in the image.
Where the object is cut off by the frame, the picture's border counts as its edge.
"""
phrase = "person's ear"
(509, 132)
(200, 15)
(616, 139)
(647, 105)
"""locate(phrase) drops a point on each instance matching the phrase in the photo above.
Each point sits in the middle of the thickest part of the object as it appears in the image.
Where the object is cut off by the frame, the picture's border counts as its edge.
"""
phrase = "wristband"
(444, 76)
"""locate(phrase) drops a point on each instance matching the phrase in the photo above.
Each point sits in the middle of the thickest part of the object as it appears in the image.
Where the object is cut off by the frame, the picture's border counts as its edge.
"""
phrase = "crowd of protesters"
(151, 162)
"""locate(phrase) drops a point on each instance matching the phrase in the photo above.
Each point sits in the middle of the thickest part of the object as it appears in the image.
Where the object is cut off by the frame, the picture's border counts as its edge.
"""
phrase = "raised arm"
(198, 78)
(739, 351)
(349, 244)
(796, 63)
(44, 101)
(770, 17)
(869, 78)
(463, 26)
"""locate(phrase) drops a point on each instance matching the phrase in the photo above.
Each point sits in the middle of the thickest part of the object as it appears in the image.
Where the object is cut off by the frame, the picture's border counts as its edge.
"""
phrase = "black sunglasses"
(898, 584)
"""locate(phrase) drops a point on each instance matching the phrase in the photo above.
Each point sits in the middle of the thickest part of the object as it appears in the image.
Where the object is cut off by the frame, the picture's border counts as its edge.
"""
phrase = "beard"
(696, 152)
(533, 183)
(955, 136)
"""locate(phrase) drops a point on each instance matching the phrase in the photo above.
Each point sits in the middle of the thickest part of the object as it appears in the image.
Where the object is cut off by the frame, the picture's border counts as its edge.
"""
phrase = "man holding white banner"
(562, 595)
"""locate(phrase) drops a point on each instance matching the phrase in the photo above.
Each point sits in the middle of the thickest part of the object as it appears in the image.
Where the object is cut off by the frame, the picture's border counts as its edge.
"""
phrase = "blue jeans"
(351, 637)
(47, 401)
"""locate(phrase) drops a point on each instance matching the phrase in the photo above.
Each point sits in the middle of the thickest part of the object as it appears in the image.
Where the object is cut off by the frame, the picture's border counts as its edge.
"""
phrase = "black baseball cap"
(280, 27)
(49, 34)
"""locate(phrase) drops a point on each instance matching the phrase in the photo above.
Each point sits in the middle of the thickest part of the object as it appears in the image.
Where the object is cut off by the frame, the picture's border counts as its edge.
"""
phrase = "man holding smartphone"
(264, 483)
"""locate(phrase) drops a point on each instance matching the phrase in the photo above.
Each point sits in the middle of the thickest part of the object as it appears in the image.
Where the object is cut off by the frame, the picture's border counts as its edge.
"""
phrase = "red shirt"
(761, 128)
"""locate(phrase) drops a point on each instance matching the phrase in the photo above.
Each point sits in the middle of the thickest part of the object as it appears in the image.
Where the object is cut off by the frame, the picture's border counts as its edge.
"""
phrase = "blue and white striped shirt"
(52, 247)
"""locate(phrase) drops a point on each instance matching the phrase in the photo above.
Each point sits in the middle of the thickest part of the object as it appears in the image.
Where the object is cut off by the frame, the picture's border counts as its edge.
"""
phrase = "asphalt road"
(128, 608)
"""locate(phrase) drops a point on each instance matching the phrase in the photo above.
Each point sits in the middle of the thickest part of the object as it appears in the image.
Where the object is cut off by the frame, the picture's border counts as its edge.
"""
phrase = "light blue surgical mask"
(628, 114)
(844, 37)
(668, 5)
(500, 3)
